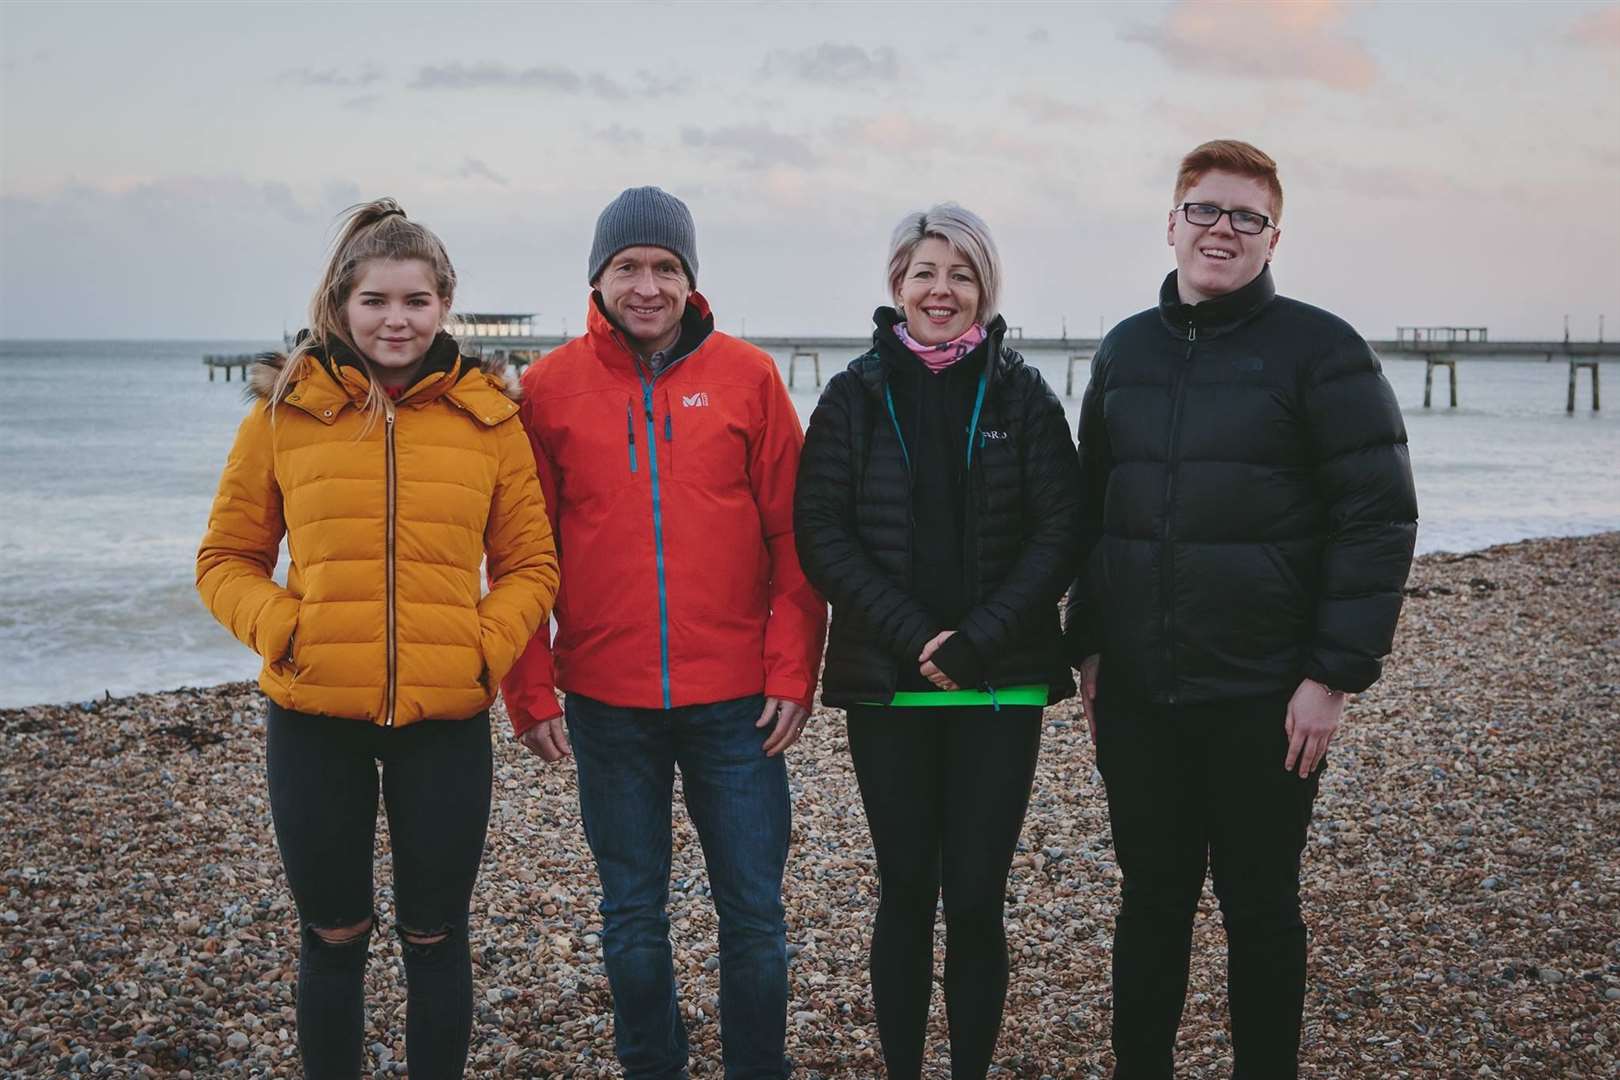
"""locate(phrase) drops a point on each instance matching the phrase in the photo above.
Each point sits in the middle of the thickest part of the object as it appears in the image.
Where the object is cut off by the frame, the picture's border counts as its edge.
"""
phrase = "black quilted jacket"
(1249, 514)
(854, 524)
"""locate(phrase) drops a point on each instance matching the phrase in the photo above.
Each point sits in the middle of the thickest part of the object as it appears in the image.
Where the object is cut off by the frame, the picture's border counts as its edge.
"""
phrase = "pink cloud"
(1599, 29)
(1301, 40)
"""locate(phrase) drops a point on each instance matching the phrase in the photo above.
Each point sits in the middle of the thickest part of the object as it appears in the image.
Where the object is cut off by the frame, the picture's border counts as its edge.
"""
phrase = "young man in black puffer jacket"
(1248, 525)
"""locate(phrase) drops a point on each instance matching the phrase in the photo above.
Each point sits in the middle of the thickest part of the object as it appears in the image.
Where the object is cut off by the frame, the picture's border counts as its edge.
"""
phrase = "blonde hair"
(368, 231)
(1232, 156)
(963, 230)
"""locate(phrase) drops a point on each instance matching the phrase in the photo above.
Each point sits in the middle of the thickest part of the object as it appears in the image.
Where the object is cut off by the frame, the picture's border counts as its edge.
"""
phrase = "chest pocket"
(597, 444)
(707, 444)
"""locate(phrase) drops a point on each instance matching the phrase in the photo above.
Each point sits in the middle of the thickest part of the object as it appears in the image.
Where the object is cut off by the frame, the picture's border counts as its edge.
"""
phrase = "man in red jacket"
(686, 632)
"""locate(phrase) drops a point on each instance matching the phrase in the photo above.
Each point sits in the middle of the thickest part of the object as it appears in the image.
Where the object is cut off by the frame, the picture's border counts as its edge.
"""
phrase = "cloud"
(1598, 29)
(545, 77)
(892, 132)
(619, 135)
(1266, 41)
(361, 102)
(890, 135)
(1045, 109)
(472, 168)
(759, 146)
(306, 76)
(831, 64)
(1040, 35)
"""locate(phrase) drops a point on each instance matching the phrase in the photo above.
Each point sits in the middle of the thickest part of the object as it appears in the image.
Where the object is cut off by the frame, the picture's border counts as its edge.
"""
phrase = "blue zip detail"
(669, 429)
(630, 431)
(973, 425)
(888, 399)
(995, 705)
(658, 540)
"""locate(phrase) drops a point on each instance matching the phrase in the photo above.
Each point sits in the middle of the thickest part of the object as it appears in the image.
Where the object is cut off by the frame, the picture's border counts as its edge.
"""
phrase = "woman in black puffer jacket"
(937, 506)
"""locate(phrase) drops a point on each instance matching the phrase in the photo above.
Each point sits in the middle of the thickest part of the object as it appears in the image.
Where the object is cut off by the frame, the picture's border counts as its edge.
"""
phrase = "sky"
(175, 170)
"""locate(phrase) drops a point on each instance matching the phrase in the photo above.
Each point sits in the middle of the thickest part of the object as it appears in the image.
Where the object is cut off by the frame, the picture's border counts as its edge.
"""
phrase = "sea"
(111, 451)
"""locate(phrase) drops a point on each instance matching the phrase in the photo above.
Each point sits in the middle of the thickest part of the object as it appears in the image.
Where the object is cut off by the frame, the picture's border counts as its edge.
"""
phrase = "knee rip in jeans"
(337, 949)
(338, 936)
(424, 943)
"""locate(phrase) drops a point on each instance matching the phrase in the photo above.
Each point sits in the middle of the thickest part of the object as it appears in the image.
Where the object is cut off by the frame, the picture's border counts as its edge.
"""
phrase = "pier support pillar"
(1574, 377)
(1068, 381)
(1428, 379)
(793, 364)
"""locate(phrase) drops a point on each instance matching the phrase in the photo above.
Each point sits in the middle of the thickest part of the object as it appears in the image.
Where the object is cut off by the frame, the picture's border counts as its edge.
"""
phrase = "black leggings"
(323, 797)
(945, 791)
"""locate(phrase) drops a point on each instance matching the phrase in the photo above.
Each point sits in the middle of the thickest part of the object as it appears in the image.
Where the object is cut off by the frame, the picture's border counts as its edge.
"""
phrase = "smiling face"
(645, 290)
(939, 294)
(393, 314)
(1213, 260)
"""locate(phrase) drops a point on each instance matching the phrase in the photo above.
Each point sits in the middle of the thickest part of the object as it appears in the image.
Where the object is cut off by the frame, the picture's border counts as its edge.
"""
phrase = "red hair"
(1233, 156)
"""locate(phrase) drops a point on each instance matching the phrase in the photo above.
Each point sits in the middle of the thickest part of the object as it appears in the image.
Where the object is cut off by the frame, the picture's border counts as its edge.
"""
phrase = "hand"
(1313, 716)
(549, 739)
(790, 719)
(1088, 691)
(928, 668)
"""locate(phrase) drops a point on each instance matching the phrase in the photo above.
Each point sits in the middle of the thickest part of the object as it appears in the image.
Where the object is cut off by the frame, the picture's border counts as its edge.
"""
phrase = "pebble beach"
(1462, 881)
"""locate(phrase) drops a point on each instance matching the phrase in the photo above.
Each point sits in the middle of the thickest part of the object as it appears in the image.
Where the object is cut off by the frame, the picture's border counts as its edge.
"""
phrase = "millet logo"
(694, 400)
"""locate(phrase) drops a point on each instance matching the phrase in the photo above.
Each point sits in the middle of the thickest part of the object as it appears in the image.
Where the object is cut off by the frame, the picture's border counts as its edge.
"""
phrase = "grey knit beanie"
(645, 215)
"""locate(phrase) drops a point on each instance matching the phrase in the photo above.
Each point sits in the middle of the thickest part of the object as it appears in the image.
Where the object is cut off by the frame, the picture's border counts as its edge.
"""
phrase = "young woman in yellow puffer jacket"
(394, 467)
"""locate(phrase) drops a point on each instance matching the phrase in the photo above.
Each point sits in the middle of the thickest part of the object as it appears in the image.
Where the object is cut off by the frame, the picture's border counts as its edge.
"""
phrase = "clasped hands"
(928, 668)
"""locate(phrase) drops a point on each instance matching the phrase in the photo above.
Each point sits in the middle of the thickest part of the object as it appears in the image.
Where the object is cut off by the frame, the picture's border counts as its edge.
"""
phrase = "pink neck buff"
(937, 358)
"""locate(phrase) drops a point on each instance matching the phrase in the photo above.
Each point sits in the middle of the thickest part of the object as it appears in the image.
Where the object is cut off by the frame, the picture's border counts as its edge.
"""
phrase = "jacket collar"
(1217, 316)
(613, 348)
(882, 361)
(334, 378)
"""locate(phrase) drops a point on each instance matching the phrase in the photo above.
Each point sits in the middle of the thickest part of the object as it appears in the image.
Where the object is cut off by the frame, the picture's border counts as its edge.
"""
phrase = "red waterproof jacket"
(671, 498)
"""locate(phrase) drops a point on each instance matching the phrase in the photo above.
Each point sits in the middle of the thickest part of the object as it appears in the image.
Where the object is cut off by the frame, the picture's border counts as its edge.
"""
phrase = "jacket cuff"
(790, 690)
(523, 721)
(1350, 678)
(960, 660)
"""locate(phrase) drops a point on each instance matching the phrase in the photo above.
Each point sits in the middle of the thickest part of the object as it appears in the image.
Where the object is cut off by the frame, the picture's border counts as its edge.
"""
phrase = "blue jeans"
(738, 801)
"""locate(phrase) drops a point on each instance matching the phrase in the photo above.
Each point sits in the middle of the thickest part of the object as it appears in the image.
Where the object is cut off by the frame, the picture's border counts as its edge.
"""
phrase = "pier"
(511, 336)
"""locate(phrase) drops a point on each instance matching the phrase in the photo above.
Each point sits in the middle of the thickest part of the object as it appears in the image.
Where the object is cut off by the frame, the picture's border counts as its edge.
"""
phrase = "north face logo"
(695, 400)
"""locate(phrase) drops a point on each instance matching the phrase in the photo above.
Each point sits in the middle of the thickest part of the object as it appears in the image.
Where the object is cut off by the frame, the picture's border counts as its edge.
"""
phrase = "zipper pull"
(1192, 333)
(669, 429)
(630, 433)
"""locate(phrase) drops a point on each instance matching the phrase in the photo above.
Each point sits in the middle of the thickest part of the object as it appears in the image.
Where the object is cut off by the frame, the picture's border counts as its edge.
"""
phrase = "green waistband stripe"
(1009, 695)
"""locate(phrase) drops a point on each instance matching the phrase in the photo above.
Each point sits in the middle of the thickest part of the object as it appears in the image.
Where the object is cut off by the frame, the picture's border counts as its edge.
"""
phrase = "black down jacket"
(854, 520)
(1249, 513)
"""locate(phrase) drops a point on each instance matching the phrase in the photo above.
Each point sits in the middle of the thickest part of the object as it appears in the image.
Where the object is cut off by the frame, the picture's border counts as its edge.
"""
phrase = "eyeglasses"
(1244, 221)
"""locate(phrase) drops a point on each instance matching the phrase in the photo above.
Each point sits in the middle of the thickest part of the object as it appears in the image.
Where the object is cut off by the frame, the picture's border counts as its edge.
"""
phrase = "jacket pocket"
(703, 446)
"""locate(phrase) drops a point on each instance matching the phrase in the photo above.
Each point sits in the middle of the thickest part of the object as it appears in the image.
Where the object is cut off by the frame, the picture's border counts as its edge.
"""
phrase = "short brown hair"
(1233, 156)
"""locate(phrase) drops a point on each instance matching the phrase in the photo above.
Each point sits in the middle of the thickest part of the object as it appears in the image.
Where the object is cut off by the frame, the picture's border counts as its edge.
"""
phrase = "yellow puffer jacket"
(382, 618)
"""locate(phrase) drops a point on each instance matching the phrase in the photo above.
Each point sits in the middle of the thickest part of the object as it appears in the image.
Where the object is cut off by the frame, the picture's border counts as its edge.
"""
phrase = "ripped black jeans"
(323, 797)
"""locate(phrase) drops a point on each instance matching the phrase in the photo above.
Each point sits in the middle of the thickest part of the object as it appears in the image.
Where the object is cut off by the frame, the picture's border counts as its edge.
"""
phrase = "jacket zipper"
(1172, 464)
(657, 500)
(630, 432)
(972, 431)
(388, 569)
(658, 542)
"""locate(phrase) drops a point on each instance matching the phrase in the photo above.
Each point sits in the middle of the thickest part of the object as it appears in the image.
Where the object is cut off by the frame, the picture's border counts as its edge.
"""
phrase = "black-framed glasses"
(1244, 221)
